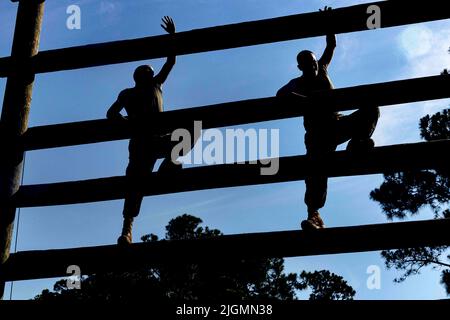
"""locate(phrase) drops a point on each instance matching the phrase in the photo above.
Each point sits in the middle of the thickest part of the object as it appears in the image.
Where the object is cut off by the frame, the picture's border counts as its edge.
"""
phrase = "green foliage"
(436, 127)
(412, 260)
(406, 193)
(325, 286)
(445, 279)
(210, 280)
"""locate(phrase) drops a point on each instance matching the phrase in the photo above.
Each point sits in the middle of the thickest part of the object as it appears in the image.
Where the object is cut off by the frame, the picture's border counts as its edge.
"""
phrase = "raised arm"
(327, 55)
(161, 77)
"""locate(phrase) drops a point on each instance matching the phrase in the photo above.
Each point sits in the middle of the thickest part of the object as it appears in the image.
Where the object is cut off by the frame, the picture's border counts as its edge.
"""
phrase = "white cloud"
(400, 123)
(397, 124)
(346, 57)
(425, 50)
(416, 41)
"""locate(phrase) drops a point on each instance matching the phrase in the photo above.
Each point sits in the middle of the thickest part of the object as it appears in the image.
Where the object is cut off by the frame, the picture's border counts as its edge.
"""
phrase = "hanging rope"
(18, 223)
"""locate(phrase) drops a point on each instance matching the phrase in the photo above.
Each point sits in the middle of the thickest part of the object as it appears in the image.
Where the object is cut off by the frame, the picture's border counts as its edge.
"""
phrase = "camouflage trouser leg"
(144, 152)
(141, 162)
(359, 125)
(316, 192)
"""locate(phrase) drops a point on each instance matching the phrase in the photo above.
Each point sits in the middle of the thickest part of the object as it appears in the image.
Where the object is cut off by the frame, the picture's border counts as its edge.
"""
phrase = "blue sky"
(208, 78)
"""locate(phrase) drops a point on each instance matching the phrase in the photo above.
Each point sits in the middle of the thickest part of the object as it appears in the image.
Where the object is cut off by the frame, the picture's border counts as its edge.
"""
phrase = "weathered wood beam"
(14, 117)
(380, 160)
(53, 263)
(242, 112)
(340, 20)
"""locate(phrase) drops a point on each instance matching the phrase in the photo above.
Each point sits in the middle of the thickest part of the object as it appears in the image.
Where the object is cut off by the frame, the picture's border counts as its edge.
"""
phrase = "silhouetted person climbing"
(326, 129)
(142, 104)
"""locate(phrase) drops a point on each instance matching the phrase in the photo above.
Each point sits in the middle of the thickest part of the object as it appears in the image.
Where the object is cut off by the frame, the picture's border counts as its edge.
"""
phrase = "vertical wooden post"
(14, 116)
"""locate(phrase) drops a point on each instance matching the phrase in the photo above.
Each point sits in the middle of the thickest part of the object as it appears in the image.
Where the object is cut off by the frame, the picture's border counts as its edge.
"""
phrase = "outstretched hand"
(325, 9)
(168, 24)
(331, 38)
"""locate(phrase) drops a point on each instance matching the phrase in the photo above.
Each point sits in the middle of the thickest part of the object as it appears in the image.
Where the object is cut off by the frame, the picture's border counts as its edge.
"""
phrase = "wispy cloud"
(425, 51)
(348, 45)
(195, 206)
(256, 198)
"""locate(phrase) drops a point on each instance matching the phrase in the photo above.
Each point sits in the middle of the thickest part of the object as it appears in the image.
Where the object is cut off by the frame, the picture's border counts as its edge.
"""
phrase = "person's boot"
(126, 238)
(360, 145)
(314, 221)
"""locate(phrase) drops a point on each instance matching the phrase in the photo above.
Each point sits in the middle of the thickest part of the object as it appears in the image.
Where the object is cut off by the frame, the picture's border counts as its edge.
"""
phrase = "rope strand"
(17, 227)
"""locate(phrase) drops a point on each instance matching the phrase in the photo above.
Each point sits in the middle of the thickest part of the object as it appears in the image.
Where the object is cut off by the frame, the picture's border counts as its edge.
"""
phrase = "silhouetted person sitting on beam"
(326, 129)
(142, 104)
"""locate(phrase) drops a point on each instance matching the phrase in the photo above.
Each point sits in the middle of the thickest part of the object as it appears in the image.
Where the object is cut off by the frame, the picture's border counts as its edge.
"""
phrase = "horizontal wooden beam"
(53, 263)
(26, 0)
(340, 20)
(380, 160)
(242, 112)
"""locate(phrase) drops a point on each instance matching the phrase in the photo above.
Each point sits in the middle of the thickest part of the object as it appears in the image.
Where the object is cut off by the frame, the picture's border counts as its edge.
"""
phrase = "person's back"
(145, 99)
(141, 104)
